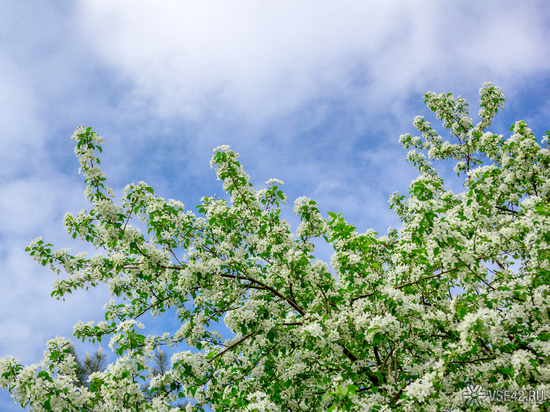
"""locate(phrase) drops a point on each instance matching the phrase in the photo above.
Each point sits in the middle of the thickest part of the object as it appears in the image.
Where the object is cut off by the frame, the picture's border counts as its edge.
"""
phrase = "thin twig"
(232, 346)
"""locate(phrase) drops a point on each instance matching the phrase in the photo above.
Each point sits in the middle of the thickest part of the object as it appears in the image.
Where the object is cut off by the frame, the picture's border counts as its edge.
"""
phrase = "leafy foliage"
(385, 333)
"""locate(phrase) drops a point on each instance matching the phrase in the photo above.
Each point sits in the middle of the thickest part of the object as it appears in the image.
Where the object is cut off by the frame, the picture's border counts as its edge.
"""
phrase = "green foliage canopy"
(385, 333)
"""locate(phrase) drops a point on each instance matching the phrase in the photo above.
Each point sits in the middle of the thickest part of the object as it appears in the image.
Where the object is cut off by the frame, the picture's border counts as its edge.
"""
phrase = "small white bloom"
(221, 148)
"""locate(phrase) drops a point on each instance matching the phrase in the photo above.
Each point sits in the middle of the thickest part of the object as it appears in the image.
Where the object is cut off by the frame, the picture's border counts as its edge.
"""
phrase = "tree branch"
(506, 210)
(232, 346)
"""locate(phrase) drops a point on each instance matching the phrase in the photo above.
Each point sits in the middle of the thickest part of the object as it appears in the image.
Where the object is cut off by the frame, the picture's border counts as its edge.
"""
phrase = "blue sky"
(315, 93)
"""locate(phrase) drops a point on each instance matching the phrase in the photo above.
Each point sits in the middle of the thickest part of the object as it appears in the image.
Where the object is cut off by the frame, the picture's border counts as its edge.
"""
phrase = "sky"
(315, 93)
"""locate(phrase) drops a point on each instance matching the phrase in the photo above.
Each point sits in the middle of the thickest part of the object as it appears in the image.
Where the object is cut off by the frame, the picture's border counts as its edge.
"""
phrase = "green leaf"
(44, 375)
(373, 329)
(326, 397)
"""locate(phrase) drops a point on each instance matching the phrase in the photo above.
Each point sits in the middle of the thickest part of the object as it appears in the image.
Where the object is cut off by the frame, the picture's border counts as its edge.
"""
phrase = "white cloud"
(263, 59)
(20, 135)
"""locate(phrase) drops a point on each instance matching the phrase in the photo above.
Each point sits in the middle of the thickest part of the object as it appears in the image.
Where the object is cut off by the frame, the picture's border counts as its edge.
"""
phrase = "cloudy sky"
(315, 93)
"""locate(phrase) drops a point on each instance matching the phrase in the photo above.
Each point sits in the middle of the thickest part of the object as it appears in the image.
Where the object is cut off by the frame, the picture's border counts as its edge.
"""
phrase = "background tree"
(161, 366)
(88, 365)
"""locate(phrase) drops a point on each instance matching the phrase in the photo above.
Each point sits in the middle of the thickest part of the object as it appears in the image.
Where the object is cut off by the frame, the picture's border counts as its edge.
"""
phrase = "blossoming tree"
(407, 321)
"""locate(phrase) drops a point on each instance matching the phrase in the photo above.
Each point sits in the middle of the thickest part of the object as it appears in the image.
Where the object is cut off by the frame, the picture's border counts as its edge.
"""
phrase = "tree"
(88, 365)
(385, 332)
(162, 365)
